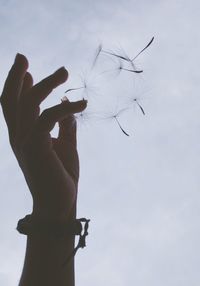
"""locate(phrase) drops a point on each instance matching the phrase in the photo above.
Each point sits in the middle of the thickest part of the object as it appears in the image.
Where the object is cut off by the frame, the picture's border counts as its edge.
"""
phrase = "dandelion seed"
(120, 68)
(85, 118)
(131, 100)
(115, 117)
(141, 108)
(125, 58)
(115, 55)
(139, 71)
(85, 87)
(76, 88)
(98, 51)
(143, 49)
(88, 87)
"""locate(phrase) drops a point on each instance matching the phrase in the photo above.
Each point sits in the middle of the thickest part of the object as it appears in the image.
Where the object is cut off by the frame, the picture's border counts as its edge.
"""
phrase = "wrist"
(40, 213)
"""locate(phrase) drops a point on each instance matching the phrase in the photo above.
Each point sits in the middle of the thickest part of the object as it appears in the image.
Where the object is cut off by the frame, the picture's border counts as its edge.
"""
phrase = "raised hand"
(50, 165)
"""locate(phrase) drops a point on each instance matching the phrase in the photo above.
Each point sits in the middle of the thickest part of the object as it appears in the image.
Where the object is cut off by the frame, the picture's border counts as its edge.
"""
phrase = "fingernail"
(64, 99)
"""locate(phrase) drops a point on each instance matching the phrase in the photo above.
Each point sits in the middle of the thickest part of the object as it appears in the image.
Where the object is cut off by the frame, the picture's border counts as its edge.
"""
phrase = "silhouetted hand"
(50, 165)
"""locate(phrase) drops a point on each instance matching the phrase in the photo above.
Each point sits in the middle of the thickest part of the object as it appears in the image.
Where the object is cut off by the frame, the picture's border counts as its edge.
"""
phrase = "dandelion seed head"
(110, 62)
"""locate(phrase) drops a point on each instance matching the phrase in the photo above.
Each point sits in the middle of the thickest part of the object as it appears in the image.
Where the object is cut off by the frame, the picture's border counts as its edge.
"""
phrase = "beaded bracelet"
(27, 226)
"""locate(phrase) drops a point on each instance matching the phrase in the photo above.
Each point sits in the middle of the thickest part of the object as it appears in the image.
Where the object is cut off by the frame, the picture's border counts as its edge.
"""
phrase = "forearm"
(43, 262)
(44, 258)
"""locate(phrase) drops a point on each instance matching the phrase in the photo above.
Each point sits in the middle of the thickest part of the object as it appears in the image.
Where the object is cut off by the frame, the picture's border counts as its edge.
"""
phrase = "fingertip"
(61, 74)
(27, 83)
(79, 106)
(28, 77)
(75, 107)
(83, 103)
(21, 60)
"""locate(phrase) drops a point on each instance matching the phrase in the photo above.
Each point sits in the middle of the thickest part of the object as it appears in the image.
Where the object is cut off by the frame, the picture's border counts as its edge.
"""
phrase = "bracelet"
(27, 226)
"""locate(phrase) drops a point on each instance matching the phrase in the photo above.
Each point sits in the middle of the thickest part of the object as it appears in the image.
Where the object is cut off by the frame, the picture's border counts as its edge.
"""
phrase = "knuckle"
(46, 114)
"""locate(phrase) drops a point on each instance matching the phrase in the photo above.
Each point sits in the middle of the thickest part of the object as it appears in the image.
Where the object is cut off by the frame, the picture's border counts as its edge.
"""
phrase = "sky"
(141, 192)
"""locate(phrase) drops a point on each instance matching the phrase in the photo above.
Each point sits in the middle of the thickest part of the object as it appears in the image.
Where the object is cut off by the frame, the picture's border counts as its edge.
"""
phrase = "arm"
(50, 167)
(43, 262)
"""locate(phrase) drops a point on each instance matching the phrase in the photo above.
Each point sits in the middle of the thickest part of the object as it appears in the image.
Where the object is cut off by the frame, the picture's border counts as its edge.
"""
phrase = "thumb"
(57, 113)
(67, 127)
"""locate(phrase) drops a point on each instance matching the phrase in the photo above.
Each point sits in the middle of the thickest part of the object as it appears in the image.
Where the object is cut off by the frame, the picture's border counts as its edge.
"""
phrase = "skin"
(50, 167)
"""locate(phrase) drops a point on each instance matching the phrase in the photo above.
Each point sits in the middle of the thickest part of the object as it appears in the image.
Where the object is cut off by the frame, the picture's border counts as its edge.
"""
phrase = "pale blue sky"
(142, 192)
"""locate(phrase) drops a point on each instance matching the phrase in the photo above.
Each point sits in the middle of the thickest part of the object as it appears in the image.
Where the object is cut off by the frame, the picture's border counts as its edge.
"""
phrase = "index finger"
(11, 90)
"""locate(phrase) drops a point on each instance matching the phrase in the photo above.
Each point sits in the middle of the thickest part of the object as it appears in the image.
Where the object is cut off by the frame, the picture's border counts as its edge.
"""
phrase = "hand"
(50, 165)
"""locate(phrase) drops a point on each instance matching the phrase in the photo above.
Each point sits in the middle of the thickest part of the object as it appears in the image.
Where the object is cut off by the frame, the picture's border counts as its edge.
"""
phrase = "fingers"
(67, 127)
(67, 146)
(41, 90)
(50, 116)
(31, 97)
(26, 114)
(27, 84)
(12, 89)
(15, 78)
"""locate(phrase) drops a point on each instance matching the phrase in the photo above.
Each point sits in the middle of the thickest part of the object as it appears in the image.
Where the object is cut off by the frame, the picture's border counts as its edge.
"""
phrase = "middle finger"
(42, 89)
(30, 101)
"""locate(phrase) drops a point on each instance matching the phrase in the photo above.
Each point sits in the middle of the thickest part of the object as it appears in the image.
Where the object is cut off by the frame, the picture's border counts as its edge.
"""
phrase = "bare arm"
(43, 263)
(50, 167)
